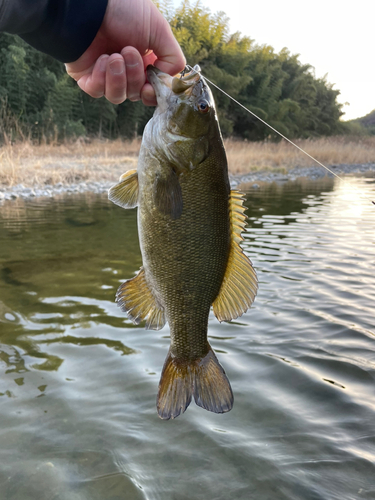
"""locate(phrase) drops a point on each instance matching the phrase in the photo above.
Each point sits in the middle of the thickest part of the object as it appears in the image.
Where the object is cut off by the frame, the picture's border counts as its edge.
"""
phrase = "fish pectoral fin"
(203, 378)
(168, 195)
(137, 300)
(125, 192)
(240, 284)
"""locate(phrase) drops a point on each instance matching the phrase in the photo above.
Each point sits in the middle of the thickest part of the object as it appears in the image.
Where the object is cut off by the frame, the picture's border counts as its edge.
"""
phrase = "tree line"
(39, 101)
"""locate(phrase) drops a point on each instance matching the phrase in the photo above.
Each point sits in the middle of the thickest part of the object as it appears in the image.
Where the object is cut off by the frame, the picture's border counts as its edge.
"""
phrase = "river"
(78, 380)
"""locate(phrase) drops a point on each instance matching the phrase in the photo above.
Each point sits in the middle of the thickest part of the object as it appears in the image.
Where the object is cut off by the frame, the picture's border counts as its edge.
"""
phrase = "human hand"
(133, 35)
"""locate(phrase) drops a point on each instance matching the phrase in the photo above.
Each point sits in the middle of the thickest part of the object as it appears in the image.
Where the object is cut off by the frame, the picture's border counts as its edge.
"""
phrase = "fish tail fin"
(175, 388)
(212, 390)
(203, 378)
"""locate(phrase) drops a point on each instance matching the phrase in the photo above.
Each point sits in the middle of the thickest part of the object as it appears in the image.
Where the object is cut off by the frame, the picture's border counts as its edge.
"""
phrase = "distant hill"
(363, 126)
(367, 122)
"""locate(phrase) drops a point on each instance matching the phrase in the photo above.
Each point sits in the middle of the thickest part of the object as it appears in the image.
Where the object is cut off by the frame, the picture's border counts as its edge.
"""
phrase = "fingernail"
(131, 60)
(103, 63)
(117, 67)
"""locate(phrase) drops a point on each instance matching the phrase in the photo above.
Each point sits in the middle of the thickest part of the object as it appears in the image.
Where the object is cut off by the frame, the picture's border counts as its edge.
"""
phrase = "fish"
(190, 226)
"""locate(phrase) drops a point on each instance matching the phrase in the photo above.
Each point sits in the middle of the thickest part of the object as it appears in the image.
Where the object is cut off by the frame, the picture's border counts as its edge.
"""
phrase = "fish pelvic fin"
(137, 300)
(204, 378)
(125, 192)
(240, 284)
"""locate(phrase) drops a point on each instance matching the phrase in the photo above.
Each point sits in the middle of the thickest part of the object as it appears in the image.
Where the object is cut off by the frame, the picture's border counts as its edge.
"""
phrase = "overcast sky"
(337, 37)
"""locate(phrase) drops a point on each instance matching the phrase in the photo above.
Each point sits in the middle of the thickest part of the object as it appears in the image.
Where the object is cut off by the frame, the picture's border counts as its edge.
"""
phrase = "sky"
(335, 37)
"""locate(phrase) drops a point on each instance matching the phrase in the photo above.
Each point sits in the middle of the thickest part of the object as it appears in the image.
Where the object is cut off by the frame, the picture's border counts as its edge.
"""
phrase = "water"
(78, 381)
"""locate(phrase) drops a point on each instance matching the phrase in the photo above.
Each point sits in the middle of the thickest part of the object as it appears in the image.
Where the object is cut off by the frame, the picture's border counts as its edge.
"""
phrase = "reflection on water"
(78, 381)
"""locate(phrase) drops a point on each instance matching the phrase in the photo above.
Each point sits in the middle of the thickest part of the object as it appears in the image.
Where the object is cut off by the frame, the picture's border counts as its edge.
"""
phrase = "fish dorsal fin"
(240, 284)
(136, 299)
(168, 195)
(125, 193)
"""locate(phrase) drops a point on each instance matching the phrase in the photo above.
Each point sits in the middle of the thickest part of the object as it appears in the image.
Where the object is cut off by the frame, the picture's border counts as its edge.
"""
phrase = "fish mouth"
(154, 74)
(193, 73)
(186, 81)
(162, 81)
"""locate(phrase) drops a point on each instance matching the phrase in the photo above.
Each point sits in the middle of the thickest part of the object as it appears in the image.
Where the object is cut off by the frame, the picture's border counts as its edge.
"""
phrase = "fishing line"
(272, 128)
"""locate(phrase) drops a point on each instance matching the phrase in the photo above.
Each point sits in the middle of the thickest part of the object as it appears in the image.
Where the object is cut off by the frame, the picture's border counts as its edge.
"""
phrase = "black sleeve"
(63, 29)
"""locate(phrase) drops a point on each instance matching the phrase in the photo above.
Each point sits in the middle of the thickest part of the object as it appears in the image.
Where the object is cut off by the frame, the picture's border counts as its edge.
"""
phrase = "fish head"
(185, 116)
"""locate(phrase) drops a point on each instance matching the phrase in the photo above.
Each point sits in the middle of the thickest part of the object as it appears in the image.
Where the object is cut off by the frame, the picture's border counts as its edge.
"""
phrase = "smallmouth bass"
(189, 224)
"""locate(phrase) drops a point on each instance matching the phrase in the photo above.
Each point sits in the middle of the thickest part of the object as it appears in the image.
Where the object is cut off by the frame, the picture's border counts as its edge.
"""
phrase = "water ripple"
(78, 380)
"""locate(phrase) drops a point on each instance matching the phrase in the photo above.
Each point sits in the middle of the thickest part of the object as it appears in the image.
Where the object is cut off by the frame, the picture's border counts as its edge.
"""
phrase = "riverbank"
(252, 179)
(28, 171)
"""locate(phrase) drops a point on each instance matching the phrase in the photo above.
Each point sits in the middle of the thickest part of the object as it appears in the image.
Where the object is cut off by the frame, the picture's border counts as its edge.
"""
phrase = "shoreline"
(20, 191)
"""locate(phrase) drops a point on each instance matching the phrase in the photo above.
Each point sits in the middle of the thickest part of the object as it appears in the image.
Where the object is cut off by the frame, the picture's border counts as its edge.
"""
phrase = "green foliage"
(61, 113)
(38, 100)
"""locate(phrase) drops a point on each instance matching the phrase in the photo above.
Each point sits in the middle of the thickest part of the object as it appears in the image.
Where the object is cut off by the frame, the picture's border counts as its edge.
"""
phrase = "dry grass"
(251, 156)
(30, 165)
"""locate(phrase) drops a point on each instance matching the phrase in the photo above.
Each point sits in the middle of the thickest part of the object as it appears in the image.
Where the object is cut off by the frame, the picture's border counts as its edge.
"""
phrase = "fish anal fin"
(168, 195)
(138, 302)
(203, 378)
(125, 192)
(240, 284)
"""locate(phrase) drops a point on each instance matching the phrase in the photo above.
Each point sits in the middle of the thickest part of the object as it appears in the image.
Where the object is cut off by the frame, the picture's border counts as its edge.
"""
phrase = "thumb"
(170, 58)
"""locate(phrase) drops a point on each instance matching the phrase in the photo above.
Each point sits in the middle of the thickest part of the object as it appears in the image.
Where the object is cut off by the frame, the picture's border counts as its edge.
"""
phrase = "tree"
(38, 100)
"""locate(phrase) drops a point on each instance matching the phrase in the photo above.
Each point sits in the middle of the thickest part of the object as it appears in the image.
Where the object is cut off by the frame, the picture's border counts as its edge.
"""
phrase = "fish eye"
(203, 106)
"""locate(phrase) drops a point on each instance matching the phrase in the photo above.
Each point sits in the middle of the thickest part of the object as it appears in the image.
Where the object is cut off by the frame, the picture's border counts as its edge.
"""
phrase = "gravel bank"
(316, 172)
(312, 173)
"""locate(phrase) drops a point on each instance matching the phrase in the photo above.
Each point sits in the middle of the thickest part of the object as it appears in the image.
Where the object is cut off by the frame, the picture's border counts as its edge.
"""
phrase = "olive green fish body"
(185, 258)
(190, 225)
